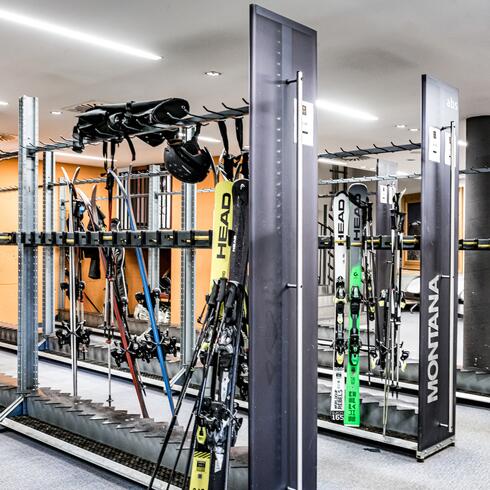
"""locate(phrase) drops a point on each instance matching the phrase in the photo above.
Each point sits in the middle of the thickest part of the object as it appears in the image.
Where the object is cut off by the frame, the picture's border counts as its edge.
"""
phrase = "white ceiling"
(371, 55)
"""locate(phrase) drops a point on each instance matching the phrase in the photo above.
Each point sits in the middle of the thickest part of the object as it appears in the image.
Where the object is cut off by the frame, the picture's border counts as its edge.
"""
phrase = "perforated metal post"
(154, 213)
(27, 359)
(188, 275)
(48, 252)
(61, 255)
(283, 249)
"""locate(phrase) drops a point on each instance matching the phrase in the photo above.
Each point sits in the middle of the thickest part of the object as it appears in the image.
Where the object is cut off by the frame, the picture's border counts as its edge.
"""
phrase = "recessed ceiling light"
(213, 73)
(401, 126)
(77, 155)
(414, 130)
(462, 143)
(100, 42)
(410, 159)
(345, 111)
(56, 113)
(208, 139)
(3, 103)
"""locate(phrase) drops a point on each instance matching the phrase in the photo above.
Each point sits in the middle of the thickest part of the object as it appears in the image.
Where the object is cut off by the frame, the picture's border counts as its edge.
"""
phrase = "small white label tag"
(308, 120)
(435, 144)
(447, 148)
(391, 192)
(383, 194)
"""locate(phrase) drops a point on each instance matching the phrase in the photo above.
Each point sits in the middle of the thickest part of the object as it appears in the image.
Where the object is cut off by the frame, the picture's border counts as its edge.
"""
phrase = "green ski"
(352, 408)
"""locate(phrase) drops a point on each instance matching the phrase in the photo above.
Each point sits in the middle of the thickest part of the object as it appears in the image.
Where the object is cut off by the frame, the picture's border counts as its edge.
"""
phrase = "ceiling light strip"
(66, 32)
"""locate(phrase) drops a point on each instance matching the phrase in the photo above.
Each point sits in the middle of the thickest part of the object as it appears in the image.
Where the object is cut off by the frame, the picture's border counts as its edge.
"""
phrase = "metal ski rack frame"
(438, 245)
(382, 178)
(187, 122)
(28, 238)
(375, 150)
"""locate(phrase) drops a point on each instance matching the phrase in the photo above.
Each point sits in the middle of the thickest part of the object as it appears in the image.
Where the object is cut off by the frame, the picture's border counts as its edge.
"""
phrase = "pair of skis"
(115, 302)
(392, 356)
(116, 299)
(213, 423)
(348, 243)
(355, 261)
(74, 332)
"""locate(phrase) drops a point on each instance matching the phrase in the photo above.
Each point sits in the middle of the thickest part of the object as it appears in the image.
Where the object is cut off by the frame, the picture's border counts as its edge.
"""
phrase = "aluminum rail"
(378, 178)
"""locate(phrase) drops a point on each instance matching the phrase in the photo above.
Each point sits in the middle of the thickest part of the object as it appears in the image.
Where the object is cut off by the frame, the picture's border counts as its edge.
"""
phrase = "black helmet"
(187, 161)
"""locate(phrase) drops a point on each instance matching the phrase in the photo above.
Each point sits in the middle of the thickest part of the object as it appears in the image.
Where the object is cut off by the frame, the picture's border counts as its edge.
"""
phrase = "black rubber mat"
(121, 457)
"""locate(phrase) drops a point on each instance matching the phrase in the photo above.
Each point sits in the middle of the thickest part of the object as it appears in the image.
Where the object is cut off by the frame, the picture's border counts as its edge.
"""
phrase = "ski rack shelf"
(145, 239)
(375, 150)
(192, 239)
(188, 121)
(379, 242)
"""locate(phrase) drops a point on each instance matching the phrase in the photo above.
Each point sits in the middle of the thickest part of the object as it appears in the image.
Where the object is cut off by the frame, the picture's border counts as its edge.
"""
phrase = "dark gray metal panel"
(476, 345)
(437, 371)
(279, 48)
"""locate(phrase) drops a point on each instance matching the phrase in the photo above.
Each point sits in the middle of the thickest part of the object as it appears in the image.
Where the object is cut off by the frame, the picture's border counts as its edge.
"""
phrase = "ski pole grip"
(221, 290)
(213, 295)
(231, 297)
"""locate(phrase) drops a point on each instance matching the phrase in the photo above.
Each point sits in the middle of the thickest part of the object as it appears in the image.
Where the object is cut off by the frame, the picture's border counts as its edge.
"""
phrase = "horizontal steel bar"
(379, 178)
(185, 122)
(196, 239)
(179, 193)
(375, 150)
(127, 239)
(96, 180)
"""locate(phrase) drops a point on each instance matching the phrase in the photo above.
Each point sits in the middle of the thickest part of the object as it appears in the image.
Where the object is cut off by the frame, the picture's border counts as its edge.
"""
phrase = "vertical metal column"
(438, 305)
(48, 252)
(187, 283)
(27, 359)
(154, 213)
(476, 350)
(61, 255)
(283, 254)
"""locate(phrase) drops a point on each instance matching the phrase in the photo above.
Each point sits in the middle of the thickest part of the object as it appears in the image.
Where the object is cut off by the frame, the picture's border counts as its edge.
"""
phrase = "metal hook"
(348, 152)
(234, 109)
(382, 150)
(199, 118)
(220, 114)
(398, 146)
(366, 152)
(246, 101)
(415, 144)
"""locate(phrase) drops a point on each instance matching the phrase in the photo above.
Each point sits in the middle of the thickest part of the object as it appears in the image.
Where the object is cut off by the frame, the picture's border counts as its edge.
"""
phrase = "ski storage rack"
(277, 427)
(435, 411)
(30, 410)
(293, 461)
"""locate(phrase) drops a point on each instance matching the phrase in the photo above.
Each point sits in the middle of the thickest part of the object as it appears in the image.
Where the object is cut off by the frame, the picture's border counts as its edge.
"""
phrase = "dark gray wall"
(476, 350)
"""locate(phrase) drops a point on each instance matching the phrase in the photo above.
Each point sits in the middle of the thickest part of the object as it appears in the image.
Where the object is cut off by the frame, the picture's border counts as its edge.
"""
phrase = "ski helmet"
(187, 161)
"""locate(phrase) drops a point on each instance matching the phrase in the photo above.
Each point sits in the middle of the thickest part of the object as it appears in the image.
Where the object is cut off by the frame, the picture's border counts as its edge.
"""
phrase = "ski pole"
(146, 291)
